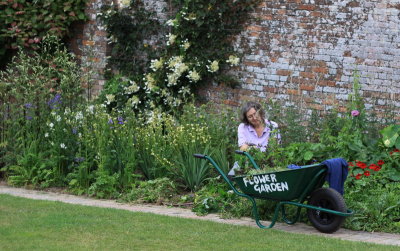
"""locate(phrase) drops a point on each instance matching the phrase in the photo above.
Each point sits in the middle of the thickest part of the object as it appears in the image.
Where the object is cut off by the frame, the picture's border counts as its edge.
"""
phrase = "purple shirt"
(248, 135)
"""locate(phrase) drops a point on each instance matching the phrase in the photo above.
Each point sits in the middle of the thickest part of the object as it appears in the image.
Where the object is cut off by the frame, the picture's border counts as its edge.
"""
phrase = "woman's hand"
(244, 147)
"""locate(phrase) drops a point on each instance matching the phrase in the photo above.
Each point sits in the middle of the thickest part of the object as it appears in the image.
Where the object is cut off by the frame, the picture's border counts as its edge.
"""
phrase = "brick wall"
(302, 52)
(306, 52)
(89, 41)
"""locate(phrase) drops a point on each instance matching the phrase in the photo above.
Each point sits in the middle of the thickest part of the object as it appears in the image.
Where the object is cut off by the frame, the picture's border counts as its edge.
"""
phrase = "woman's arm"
(242, 141)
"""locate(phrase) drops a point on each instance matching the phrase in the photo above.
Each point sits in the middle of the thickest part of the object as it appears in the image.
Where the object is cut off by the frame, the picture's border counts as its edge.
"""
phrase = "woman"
(255, 130)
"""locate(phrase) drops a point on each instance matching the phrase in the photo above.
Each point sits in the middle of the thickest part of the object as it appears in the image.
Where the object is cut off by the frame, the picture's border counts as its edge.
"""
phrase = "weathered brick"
(305, 44)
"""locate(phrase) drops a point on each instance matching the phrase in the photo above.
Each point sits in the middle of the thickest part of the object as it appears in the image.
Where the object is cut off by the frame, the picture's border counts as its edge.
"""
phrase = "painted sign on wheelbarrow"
(283, 185)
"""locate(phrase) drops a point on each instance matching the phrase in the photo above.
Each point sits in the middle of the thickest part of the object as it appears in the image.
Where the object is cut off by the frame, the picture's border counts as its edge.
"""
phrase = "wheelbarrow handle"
(200, 156)
(239, 152)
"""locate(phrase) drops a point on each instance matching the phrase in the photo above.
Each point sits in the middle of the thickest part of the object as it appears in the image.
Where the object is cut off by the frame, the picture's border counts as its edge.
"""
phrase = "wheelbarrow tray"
(284, 185)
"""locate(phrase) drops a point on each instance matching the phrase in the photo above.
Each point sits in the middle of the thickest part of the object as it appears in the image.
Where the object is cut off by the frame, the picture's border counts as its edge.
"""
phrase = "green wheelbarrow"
(326, 208)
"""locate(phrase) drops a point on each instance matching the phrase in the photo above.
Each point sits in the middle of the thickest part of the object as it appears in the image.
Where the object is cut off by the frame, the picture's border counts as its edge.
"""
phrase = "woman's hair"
(247, 107)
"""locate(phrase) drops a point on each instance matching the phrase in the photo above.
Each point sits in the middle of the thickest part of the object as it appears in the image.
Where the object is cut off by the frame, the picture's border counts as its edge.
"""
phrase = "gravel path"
(344, 234)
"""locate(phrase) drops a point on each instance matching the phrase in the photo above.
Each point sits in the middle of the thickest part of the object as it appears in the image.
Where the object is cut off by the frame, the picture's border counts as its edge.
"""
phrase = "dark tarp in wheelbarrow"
(326, 208)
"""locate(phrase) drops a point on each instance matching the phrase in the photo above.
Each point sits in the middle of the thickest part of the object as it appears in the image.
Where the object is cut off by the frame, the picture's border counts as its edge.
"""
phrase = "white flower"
(132, 88)
(63, 146)
(67, 111)
(124, 3)
(180, 68)
(110, 98)
(233, 60)
(194, 76)
(90, 109)
(172, 22)
(51, 125)
(174, 60)
(46, 135)
(58, 118)
(213, 67)
(190, 17)
(134, 101)
(172, 79)
(79, 115)
(150, 82)
(184, 90)
(156, 64)
(185, 44)
(171, 39)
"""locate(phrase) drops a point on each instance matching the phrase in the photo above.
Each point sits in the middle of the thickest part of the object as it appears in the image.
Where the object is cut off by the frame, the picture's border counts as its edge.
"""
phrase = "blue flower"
(55, 101)
(28, 105)
(79, 159)
(121, 120)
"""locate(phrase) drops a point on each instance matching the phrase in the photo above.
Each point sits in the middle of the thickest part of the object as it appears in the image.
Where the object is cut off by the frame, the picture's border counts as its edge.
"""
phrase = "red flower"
(394, 151)
(361, 165)
(377, 169)
(381, 162)
(373, 166)
(367, 173)
(358, 176)
(351, 164)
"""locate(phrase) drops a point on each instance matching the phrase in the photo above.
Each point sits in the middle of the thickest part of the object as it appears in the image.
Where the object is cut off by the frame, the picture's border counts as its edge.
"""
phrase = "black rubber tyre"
(327, 198)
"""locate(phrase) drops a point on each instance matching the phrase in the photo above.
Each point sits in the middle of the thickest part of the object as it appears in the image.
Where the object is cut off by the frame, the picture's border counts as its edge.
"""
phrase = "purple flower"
(120, 120)
(355, 113)
(28, 105)
(28, 117)
(110, 122)
(79, 159)
(55, 101)
(74, 131)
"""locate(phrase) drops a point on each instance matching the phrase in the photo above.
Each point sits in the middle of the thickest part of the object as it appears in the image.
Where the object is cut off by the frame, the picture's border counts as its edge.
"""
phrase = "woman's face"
(253, 117)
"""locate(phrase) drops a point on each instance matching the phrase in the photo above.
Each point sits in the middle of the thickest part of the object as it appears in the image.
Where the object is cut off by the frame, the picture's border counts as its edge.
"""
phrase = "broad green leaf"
(308, 155)
(398, 143)
(390, 135)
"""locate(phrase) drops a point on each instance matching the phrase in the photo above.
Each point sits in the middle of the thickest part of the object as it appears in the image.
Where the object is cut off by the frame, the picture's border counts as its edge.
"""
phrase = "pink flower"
(355, 113)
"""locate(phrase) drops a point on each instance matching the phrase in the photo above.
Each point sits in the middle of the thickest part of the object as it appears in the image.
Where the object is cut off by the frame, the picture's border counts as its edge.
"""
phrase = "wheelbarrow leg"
(290, 222)
(257, 217)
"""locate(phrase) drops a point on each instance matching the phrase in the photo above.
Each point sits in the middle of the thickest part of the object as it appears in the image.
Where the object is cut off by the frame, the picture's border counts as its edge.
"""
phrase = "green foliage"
(39, 90)
(161, 190)
(376, 205)
(26, 23)
(187, 61)
(33, 167)
(390, 136)
(129, 30)
(215, 197)
(105, 185)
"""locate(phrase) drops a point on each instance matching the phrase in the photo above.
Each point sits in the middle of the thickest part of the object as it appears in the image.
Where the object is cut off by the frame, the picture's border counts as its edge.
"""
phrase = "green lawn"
(45, 225)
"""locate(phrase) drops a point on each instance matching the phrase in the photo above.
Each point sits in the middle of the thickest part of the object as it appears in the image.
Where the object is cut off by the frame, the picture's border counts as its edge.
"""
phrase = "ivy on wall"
(197, 50)
(24, 23)
(129, 28)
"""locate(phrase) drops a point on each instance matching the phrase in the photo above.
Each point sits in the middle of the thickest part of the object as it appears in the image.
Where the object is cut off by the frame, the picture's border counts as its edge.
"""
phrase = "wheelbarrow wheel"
(327, 198)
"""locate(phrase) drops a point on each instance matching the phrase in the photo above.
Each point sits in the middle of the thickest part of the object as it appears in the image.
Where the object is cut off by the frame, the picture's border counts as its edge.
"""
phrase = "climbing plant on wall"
(130, 28)
(25, 23)
(197, 48)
